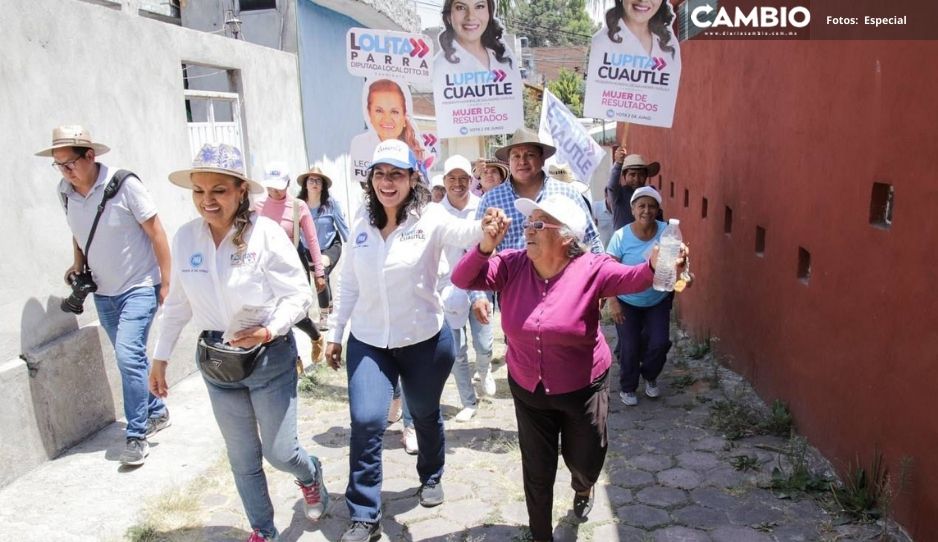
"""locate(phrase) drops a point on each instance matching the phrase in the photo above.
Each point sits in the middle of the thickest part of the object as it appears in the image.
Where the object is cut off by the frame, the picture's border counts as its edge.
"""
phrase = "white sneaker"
(651, 389)
(465, 414)
(409, 440)
(488, 384)
(628, 398)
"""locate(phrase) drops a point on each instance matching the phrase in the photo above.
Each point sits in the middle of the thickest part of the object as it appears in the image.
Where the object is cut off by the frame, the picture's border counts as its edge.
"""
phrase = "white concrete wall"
(67, 61)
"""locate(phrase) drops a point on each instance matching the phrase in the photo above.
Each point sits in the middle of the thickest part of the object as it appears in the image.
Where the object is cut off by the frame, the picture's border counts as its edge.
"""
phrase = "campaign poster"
(634, 66)
(389, 61)
(560, 128)
(477, 86)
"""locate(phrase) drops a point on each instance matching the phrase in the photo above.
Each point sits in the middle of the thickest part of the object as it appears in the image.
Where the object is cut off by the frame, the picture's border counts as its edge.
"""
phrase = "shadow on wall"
(68, 383)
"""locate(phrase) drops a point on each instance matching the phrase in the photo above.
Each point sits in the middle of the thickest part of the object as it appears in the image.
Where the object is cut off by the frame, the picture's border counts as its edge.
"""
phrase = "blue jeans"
(482, 343)
(406, 418)
(644, 341)
(126, 318)
(372, 374)
(257, 418)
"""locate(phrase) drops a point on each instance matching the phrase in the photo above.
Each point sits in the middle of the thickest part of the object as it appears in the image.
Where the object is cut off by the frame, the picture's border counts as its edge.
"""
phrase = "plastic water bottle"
(668, 252)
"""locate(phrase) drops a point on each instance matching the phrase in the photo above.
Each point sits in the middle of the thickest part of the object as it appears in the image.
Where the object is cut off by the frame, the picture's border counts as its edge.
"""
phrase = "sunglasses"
(538, 225)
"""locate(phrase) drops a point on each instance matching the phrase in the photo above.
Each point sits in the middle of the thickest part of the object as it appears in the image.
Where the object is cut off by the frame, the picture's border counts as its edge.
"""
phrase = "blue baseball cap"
(394, 152)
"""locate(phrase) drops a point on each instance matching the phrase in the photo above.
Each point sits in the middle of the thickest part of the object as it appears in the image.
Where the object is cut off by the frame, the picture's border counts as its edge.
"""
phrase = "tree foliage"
(552, 22)
(569, 88)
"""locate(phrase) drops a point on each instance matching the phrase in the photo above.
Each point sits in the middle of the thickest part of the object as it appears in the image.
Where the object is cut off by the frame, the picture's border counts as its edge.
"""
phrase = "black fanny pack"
(225, 363)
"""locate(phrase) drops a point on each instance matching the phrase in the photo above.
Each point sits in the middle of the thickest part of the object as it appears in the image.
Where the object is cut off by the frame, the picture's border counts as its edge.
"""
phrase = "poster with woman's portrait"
(634, 65)
(477, 87)
(387, 110)
(389, 61)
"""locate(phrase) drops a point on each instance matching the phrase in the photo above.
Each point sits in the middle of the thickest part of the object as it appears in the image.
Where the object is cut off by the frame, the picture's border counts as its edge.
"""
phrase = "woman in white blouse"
(388, 290)
(239, 279)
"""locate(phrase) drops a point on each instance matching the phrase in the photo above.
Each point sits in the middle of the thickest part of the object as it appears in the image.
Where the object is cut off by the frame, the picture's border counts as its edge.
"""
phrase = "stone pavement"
(668, 477)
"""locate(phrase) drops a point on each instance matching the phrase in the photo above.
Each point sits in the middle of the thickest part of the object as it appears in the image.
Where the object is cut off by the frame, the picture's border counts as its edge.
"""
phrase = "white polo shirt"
(121, 254)
(210, 285)
(388, 288)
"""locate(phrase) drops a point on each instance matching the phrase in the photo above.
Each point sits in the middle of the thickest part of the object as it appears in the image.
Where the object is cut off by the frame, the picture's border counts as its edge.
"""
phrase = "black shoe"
(431, 494)
(362, 531)
(582, 505)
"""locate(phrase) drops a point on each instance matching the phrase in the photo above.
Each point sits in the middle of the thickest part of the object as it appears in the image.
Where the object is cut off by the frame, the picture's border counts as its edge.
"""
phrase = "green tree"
(569, 89)
(552, 22)
(532, 109)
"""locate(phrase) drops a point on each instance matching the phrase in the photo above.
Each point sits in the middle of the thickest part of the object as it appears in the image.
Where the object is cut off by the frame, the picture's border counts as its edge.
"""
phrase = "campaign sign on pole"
(561, 129)
(389, 61)
(385, 53)
(477, 87)
(634, 68)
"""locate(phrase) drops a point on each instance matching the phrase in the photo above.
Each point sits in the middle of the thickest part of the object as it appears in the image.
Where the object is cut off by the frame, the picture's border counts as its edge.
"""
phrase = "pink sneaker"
(256, 536)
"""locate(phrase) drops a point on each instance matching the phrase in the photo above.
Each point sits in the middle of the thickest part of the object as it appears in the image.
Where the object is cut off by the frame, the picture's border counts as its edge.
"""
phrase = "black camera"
(82, 285)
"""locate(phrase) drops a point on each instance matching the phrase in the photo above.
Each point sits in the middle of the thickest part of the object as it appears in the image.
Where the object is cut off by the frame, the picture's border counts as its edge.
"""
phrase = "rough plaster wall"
(67, 61)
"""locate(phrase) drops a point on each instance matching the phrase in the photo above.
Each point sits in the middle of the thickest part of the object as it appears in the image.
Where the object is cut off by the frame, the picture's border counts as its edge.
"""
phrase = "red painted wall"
(792, 136)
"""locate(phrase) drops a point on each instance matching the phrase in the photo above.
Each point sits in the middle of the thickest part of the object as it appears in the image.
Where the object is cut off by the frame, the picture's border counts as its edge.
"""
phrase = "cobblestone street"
(668, 476)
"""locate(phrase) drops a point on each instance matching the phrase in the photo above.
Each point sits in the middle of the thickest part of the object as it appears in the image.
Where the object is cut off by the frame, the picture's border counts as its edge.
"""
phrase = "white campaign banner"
(631, 78)
(377, 54)
(477, 86)
(561, 129)
(390, 61)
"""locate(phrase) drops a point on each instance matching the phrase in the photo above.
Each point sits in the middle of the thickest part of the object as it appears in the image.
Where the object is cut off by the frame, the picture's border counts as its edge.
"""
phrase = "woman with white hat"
(237, 277)
(388, 291)
(558, 361)
(643, 318)
(294, 217)
(331, 228)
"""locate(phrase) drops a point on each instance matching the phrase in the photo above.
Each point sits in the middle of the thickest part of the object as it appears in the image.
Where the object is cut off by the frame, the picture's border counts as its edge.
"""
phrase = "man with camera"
(121, 254)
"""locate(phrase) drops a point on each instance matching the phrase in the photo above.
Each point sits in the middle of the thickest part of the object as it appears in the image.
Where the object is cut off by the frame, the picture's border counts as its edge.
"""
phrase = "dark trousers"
(334, 252)
(372, 374)
(644, 342)
(578, 418)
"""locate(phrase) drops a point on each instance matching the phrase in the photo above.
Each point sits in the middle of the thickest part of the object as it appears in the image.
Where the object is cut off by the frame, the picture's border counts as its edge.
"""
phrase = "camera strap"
(113, 186)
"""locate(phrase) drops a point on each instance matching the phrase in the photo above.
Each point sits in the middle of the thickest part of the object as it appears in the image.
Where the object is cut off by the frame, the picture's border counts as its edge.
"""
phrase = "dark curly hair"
(323, 196)
(491, 38)
(418, 198)
(659, 24)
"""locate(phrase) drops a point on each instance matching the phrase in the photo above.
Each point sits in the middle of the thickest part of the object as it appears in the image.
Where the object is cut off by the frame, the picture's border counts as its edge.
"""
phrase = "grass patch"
(798, 477)
(779, 421)
(734, 419)
(683, 382)
(745, 463)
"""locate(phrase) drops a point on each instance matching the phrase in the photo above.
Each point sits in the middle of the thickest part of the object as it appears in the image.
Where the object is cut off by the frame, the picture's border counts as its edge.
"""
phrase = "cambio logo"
(757, 17)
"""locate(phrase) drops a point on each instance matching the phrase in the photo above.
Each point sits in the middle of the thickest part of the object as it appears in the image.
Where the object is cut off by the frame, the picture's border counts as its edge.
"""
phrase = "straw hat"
(317, 171)
(73, 135)
(561, 172)
(220, 158)
(501, 166)
(637, 161)
(523, 136)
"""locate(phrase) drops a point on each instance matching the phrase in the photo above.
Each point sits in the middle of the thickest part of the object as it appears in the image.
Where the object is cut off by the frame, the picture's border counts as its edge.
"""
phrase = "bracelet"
(482, 252)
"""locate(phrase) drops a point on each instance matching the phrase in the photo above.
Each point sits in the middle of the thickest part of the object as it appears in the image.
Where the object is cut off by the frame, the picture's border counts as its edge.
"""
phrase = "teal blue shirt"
(631, 250)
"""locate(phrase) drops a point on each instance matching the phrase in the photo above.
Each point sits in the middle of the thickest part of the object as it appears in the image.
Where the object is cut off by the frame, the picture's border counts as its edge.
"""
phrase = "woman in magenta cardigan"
(558, 361)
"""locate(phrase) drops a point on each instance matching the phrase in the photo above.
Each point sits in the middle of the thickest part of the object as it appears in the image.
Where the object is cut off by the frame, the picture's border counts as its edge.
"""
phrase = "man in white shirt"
(462, 203)
(129, 263)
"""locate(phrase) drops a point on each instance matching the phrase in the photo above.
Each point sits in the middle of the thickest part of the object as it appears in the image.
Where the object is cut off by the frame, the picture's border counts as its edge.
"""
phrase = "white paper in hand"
(248, 316)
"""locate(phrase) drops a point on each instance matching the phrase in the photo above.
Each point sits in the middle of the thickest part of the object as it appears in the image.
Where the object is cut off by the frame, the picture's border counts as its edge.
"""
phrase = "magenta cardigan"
(552, 325)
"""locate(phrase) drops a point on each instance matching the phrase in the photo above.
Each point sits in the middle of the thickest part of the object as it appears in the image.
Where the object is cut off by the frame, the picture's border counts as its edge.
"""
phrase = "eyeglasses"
(313, 180)
(66, 166)
(538, 225)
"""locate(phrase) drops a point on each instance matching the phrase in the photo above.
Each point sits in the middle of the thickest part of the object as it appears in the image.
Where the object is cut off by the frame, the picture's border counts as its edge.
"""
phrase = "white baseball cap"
(457, 161)
(645, 191)
(562, 208)
(437, 180)
(276, 176)
(394, 152)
